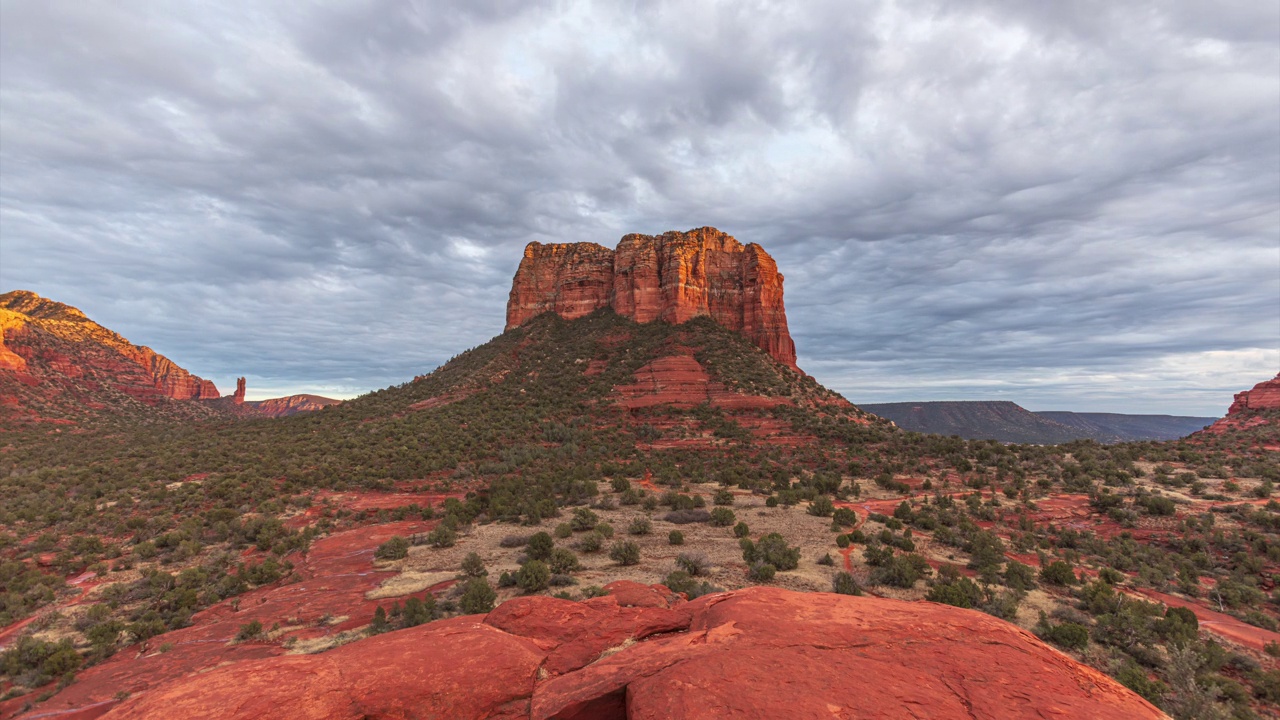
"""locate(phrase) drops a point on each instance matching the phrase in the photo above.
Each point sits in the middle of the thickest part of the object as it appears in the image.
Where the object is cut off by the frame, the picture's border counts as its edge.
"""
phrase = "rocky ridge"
(673, 277)
(644, 652)
(26, 313)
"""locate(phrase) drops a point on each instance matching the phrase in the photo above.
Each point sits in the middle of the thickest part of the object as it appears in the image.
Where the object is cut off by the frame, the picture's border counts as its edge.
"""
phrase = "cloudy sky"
(1074, 206)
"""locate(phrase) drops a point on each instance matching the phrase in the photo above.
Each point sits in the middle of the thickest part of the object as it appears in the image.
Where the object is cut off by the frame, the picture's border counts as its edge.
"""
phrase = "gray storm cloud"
(1069, 205)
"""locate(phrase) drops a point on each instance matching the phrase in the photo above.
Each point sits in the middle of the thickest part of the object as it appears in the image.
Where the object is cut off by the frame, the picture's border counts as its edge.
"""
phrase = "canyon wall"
(671, 277)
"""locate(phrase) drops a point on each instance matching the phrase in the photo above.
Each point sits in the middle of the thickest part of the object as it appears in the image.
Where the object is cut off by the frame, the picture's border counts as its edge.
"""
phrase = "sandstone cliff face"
(569, 280)
(671, 277)
(1247, 410)
(1264, 396)
(54, 357)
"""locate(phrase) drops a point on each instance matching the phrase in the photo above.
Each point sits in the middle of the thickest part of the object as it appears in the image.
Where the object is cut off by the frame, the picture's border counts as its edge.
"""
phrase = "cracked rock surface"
(643, 652)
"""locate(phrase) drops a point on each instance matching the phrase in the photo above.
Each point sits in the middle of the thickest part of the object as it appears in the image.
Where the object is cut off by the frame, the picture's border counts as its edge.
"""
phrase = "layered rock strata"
(671, 277)
(1264, 396)
(43, 337)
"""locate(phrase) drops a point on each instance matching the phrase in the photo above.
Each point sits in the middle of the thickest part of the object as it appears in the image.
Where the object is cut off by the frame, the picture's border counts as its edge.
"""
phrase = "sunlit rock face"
(671, 277)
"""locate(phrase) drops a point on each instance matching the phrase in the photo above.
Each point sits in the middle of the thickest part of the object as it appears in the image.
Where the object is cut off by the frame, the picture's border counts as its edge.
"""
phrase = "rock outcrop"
(1250, 409)
(640, 652)
(272, 407)
(56, 364)
(1264, 396)
(27, 310)
(671, 277)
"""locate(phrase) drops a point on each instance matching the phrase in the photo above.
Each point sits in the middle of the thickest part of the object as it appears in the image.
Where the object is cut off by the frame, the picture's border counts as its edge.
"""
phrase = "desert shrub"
(477, 597)
(563, 530)
(722, 517)
(844, 584)
(563, 560)
(249, 631)
(625, 552)
(821, 507)
(534, 576)
(952, 588)
(826, 560)
(761, 572)
(393, 549)
(591, 542)
(675, 537)
(444, 536)
(722, 497)
(1178, 625)
(418, 611)
(640, 526)
(36, 662)
(584, 520)
(900, 571)
(1067, 634)
(540, 546)
(473, 566)
(1019, 576)
(1058, 572)
(772, 549)
(741, 530)
(379, 623)
(694, 564)
(680, 581)
(844, 517)
(842, 541)
(620, 484)
(1134, 677)
(605, 530)
(514, 541)
(685, 517)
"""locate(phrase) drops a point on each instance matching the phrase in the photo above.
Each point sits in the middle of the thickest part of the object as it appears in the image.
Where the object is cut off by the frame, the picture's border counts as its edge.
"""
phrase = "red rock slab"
(758, 652)
(458, 668)
(1220, 624)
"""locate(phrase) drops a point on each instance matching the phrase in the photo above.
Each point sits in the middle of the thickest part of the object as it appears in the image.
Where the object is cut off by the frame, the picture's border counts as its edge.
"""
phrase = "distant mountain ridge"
(1009, 422)
(58, 366)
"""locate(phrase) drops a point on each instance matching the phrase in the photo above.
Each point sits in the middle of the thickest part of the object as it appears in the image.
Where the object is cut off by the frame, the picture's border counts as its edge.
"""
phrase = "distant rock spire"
(238, 398)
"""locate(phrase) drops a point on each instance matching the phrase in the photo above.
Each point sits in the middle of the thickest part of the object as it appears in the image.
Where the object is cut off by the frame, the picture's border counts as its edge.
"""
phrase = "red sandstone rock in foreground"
(671, 277)
(641, 653)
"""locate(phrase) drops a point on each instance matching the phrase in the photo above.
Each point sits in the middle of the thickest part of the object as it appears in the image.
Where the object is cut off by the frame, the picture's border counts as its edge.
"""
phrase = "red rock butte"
(1264, 396)
(641, 652)
(672, 277)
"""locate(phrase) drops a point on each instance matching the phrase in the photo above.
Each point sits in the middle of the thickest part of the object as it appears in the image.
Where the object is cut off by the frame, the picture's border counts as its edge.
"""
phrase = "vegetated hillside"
(976, 420)
(1117, 427)
(567, 454)
(1008, 422)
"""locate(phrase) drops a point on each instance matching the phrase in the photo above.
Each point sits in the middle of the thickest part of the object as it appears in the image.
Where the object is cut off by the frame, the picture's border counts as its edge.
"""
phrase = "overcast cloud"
(1074, 206)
